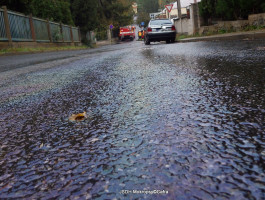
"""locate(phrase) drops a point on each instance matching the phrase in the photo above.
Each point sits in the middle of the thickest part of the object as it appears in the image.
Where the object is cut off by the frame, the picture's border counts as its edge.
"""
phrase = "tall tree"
(146, 7)
(97, 15)
(230, 9)
(23, 6)
(85, 14)
(250, 7)
(207, 9)
(56, 10)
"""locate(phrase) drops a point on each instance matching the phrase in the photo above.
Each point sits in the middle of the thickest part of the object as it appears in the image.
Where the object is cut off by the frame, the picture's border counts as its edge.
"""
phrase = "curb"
(224, 37)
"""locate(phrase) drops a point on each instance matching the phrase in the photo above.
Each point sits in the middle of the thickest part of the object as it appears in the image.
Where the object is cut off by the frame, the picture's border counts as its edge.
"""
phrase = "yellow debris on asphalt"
(78, 117)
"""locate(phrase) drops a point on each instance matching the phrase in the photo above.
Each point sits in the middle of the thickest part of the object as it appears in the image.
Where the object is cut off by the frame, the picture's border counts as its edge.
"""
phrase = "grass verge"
(39, 49)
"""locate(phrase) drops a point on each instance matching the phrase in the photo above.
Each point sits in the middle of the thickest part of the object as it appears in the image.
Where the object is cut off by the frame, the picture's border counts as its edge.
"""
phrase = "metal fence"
(75, 34)
(66, 33)
(27, 28)
(56, 32)
(2, 26)
(41, 30)
(19, 27)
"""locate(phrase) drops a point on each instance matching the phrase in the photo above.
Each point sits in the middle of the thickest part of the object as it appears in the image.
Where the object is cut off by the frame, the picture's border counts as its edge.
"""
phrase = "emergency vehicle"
(127, 32)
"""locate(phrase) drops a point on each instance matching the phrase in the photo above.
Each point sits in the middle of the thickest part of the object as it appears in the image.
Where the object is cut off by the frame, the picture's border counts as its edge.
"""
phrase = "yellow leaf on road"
(78, 117)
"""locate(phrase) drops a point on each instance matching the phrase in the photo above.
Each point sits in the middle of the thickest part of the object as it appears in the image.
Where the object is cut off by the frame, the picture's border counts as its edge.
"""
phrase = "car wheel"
(146, 41)
(168, 41)
(173, 40)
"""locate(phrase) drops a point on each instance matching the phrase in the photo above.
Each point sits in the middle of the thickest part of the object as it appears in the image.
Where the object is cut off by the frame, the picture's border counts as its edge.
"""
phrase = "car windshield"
(160, 22)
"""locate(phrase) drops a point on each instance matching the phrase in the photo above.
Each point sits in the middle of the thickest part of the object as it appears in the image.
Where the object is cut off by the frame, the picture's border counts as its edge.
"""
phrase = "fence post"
(8, 32)
(79, 34)
(49, 30)
(61, 29)
(71, 34)
(32, 28)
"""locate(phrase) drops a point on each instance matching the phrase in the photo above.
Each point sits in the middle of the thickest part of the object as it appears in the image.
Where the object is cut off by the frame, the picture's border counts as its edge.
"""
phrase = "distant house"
(135, 7)
(185, 9)
(174, 11)
(189, 22)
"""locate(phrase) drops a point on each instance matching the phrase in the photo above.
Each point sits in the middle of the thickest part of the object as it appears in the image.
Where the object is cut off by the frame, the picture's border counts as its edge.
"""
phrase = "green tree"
(56, 10)
(207, 9)
(23, 6)
(150, 6)
(97, 15)
(230, 9)
(226, 9)
(85, 14)
(250, 7)
(263, 7)
(146, 7)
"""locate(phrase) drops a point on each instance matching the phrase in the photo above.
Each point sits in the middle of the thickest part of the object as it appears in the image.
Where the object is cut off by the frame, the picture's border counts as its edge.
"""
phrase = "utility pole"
(179, 13)
(179, 8)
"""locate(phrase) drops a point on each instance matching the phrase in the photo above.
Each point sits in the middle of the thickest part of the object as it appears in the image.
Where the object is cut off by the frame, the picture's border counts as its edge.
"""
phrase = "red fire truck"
(127, 32)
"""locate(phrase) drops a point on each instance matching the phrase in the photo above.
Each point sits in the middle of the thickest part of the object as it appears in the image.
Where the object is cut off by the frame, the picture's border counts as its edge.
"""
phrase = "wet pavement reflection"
(184, 118)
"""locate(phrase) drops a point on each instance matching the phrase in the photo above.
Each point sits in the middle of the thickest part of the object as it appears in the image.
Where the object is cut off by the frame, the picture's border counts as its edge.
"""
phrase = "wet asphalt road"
(22, 60)
(184, 118)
